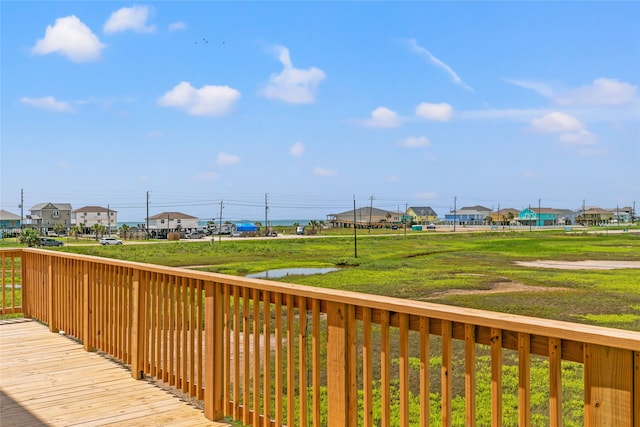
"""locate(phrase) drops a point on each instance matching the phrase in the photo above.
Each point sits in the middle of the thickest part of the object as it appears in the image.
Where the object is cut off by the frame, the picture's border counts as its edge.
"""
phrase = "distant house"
(595, 216)
(89, 216)
(422, 214)
(504, 216)
(538, 217)
(165, 222)
(44, 216)
(9, 221)
(469, 215)
(363, 217)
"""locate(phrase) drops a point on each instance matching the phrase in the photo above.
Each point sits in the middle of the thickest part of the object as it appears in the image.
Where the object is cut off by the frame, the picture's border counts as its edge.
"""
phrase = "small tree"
(124, 229)
(76, 231)
(30, 237)
(58, 228)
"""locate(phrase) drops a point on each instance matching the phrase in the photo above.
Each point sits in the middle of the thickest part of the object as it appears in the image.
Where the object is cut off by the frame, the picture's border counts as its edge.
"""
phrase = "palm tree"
(58, 228)
(124, 229)
(76, 230)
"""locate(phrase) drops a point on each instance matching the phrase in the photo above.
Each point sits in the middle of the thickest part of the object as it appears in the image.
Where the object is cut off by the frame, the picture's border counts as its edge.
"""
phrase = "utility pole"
(406, 207)
(108, 220)
(147, 228)
(22, 209)
(455, 200)
(220, 229)
(266, 209)
(633, 213)
(583, 217)
(355, 232)
(530, 212)
(540, 224)
(370, 209)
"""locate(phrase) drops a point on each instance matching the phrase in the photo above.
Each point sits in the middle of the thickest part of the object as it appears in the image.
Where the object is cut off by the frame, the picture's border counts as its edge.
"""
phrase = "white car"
(110, 241)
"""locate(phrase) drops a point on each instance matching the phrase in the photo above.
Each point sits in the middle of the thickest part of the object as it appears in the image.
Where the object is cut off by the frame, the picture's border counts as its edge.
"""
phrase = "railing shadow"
(14, 414)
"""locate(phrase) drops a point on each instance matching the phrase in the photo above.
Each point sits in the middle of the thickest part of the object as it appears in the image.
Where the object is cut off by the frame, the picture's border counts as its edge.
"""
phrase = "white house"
(89, 216)
(172, 221)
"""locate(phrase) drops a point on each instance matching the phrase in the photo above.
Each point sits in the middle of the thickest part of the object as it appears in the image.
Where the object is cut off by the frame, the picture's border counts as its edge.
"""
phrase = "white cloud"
(542, 88)
(556, 122)
(129, 18)
(413, 45)
(324, 172)
(383, 117)
(72, 38)
(601, 92)
(415, 142)
(292, 85)
(48, 103)
(581, 138)
(175, 26)
(206, 101)
(206, 176)
(437, 112)
(225, 159)
(297, 149)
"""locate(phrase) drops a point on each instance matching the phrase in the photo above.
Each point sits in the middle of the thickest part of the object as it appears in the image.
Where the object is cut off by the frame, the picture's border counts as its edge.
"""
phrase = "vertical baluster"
(291, 371)
(425, 388)
(447, 373)
(256, 356)
(200, 349)
(470, 374)
(246, 380)
(496, 377)
(302, 360)
(315, 360)
(524, 379)
(226, 388)
(367, 367)
(555, 382)
(404, 369)
(385, 368)
(236, 352)
(266, 387)
(278, 357)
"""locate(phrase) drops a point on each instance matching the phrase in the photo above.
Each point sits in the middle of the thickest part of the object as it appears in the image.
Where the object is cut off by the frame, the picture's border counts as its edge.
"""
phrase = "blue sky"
(315, 103)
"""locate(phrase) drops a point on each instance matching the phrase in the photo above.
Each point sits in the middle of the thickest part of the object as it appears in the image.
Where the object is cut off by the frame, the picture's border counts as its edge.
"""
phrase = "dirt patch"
(580, 265)
(496, 288)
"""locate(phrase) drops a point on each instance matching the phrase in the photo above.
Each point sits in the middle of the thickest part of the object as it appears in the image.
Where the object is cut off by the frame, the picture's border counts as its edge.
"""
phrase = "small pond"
(284, 272)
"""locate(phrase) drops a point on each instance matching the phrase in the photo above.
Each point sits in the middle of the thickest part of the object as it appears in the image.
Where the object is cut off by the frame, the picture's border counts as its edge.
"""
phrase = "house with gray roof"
(44, 216)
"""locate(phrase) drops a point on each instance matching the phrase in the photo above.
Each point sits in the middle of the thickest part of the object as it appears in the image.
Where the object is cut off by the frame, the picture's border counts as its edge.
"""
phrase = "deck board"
(49, 380)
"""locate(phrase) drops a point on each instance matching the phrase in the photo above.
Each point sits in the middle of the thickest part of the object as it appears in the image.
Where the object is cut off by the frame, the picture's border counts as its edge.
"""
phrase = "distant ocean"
(203, 222)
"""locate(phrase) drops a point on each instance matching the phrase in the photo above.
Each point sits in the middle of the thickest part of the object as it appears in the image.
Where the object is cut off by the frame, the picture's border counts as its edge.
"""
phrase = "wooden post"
(608, 386)
(137, 328)
(53, 317)
(338, 364)
(213, 363)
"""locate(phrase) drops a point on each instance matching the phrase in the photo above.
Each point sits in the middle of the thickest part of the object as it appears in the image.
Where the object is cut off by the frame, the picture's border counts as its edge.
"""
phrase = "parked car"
(45, 241)
(110, 241)
(431, 226)
(195, 235)
(272, 233)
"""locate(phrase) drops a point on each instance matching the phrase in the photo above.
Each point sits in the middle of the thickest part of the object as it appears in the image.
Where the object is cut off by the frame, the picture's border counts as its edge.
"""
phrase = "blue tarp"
(247, 227)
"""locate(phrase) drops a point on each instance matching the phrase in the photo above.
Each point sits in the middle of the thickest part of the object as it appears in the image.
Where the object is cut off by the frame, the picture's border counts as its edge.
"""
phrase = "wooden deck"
(49, 380)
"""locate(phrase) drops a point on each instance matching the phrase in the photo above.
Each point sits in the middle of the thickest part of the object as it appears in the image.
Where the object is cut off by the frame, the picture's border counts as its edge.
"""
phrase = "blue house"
(541, 217)
(9, 221)
(469, 215)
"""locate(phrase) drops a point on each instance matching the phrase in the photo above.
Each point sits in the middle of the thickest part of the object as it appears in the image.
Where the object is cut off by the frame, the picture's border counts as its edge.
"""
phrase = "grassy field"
(476, 270)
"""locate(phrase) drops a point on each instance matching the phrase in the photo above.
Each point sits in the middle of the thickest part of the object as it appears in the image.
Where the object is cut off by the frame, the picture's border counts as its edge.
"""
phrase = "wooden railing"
(272, 354)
